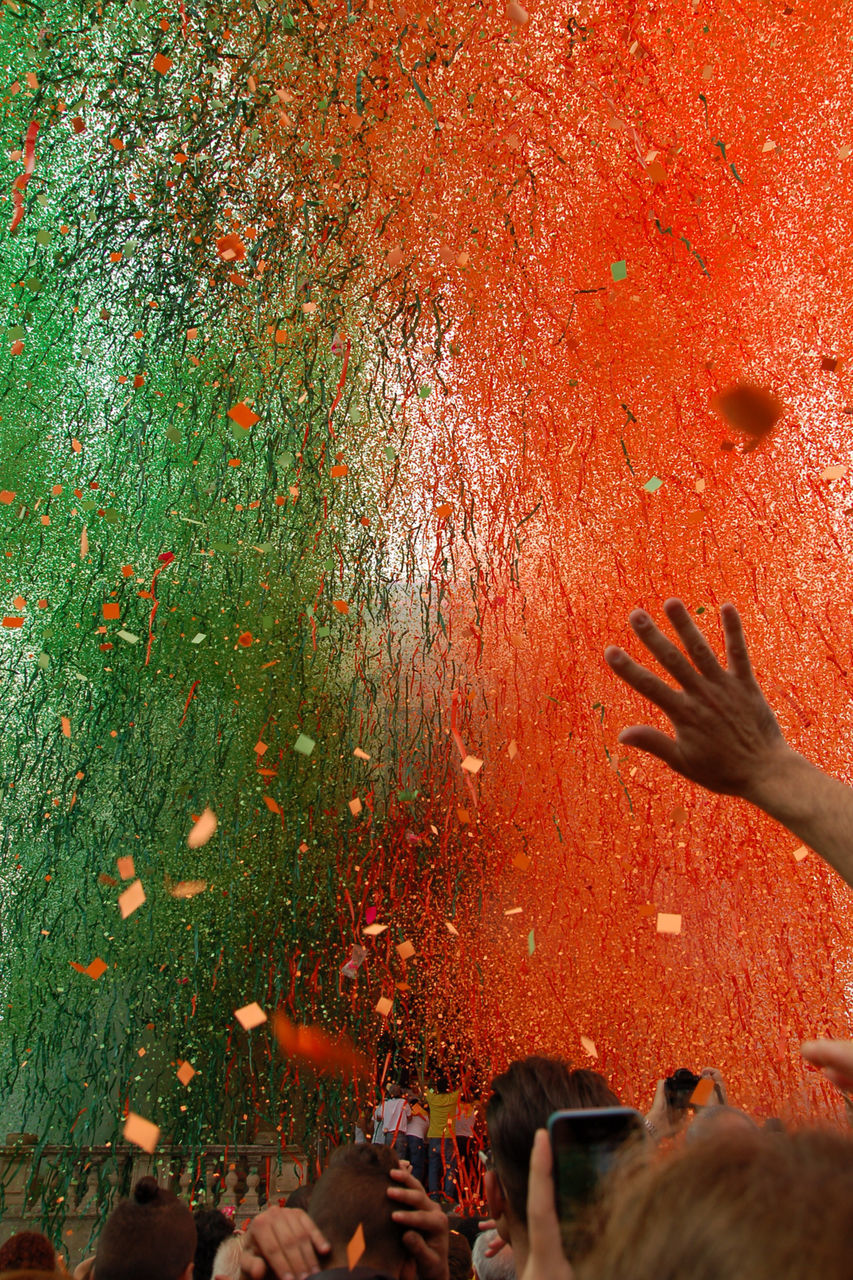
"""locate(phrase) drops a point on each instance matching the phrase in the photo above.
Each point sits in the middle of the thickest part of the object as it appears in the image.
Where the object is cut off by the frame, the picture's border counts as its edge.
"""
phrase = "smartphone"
(585, 1145)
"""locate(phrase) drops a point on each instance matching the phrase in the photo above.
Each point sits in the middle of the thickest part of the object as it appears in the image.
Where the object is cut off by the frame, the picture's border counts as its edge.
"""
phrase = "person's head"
(501, 1266)
(28, 1274)
(438, 1079)
(353, 1192)
(712, 1122)
(226, 1264)
(459, 1263)
(394, 1091)
(745, 1205)
(151, 1234)
(27, 1251)
(301, 1197)
(212, 1227)
(521, 1101)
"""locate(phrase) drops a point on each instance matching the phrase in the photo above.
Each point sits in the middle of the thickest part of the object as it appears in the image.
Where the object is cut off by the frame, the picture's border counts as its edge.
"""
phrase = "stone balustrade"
(68, 1191)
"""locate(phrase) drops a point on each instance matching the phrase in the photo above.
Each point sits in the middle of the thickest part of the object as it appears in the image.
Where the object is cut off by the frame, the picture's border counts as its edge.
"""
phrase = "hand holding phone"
(585, 1146)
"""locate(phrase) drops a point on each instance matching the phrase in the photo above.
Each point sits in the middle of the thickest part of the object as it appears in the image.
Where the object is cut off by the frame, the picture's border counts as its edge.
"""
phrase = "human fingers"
(252, 1266)
(546, 1246)
(286, 1241)
(427, 1221)
(737, 654)
(668, 654)
(654, 743)
(487, 1224)
(413, 1196)
(698, 648)
(644, 681)
(431, 1263)
(835, 1059)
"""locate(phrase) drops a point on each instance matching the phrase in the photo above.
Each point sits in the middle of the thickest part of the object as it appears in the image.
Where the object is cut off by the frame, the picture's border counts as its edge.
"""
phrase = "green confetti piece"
(304, 745)
(128, 636)
(198, 637)
(531, 943)
(652, 486)
(619, 270)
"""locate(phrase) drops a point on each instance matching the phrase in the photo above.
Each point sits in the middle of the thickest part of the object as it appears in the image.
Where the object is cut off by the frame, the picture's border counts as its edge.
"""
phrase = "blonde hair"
(226, 1261)
(737, 1206)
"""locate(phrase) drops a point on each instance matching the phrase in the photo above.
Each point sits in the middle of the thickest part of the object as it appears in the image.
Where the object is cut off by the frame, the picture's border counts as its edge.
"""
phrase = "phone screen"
(586, 1145)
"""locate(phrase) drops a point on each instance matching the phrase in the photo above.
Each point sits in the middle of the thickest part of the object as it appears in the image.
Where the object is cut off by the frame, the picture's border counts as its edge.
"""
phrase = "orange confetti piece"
(94, 970)
(188, 888)
(374, 930)
(271, 804)
(356, 1247)
(84, 544)
(801, 852)
(324, 1052)
(131, 900)
(701, 1095)
(341, 606)
(125, 867)
(444, 510)
(340, 470)
(471, 764)
(360, 755)
(355, 807)
(161, 64)
(185, 1073)
(230, 248)
(202, 830)
(7, 497)
(588, 1046)
(668, 923)
(451, 928)
(405, 950)
(111, 610)
(245, 639)
(261, 748)
(243, 415)
(66, 726)
(384, 1006)
(13, 623)
(749, 409)
(141, 1132)
(127, 570)
(250, 1016)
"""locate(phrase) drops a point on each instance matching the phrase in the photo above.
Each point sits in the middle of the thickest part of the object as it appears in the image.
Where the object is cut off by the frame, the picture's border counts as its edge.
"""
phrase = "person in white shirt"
(416, 1131)
(395, 1115)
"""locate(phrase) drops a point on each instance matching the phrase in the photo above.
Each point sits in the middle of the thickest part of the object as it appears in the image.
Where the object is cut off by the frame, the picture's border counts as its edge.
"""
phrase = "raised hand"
(835, 1059)
(285, 1242)
(726, 736)
(427, 1230)
(546, 1259)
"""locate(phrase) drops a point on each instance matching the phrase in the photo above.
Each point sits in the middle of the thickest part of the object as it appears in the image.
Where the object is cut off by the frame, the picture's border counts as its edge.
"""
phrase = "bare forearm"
(814, 806)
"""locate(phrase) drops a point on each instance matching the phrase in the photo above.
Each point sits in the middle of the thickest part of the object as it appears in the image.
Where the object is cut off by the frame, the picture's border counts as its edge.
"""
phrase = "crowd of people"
(701, 1192)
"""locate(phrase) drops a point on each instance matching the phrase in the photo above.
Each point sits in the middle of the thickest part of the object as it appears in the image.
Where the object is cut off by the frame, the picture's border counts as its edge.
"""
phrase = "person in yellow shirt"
(442, 1101)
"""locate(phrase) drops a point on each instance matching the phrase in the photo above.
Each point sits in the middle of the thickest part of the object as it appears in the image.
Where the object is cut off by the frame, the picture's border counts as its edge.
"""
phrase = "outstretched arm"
(727, 739)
